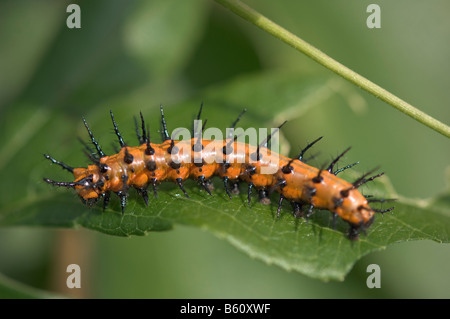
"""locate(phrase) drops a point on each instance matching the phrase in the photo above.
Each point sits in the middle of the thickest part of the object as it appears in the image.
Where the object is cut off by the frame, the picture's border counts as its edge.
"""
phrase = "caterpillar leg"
(155, 190)
(263, 197)
(180, 184)
(249, 195)
(202, 181)
(297, 210)
(89, 202)
(106, 199)
(280, 202)
(144, 194)
(225, 184)
(123, 200)
(353, 232)
(309, 212)
(209, 185)
(235, 190)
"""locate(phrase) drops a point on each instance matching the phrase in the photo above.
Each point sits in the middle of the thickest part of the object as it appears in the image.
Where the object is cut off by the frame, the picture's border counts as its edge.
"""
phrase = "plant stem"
(269, 26)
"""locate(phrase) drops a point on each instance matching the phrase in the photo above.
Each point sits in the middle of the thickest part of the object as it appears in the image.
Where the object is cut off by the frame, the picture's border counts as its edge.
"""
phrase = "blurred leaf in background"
(131, 56)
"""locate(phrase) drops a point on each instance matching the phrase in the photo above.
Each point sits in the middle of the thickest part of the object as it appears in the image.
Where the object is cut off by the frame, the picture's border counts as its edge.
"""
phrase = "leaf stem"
(269, 26)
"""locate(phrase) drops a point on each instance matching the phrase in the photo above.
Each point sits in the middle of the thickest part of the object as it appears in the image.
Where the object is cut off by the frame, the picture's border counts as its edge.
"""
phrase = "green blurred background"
(149, 52)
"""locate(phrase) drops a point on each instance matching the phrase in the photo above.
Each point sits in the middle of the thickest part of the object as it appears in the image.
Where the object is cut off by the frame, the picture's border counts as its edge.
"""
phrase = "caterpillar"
(201, 159)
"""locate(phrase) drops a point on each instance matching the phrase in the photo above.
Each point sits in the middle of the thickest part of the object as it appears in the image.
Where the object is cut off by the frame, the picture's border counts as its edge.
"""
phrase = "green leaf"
(104, 59)
(21, 53)
(312, 248)
(11, 289)
(159, 34)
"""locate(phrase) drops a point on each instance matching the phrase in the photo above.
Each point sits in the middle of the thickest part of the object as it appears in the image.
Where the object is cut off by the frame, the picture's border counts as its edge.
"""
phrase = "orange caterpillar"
(150, 164)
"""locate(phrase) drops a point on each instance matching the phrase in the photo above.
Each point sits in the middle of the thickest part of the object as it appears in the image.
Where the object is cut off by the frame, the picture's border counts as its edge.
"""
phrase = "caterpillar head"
(362, 220)
(355, 210)
(362, 216)
(87, 184)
